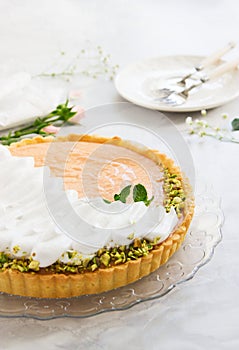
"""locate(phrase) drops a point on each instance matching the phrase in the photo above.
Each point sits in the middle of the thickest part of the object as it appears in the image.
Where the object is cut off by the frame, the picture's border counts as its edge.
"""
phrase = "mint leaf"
(148, 201)
(235, 124)
(140, 193)
(123, 194)
(106, 201)
(117, 197)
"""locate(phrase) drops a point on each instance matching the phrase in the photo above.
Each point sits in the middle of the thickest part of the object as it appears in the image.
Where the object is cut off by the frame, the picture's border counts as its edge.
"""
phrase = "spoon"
(177, 98)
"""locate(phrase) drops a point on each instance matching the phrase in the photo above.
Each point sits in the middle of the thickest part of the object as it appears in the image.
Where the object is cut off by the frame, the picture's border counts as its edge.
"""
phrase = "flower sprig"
(202, 128)
(44, 126)
(91, 62)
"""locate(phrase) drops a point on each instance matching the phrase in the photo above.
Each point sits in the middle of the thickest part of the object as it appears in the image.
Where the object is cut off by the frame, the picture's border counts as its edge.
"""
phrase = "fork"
(178, 98)
(207, 62)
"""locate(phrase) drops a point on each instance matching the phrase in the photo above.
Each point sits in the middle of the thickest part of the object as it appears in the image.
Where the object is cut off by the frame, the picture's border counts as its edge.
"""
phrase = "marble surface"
(203, 312)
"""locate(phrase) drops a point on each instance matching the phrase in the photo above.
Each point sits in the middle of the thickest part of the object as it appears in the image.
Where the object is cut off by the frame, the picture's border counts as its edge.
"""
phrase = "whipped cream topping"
(27, 228)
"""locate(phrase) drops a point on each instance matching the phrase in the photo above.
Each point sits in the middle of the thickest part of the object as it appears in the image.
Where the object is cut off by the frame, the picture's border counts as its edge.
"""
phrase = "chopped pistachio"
(174, 192)
(137, 253)
(119, 261)
(21, 268)
(177, 200)
(34, 265)
(100, 252)
(94, 267)
(3, 258)
(85, 262)
(71, 269)
(131, 236)
(117, 255)
(156, 239)
(123, 256)
(69, 255)
(105, 259)
(16, 249)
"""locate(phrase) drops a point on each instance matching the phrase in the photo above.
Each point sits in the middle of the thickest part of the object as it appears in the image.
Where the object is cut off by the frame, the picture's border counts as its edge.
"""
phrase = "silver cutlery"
(207, 62)
(165, 92)
(177, 98)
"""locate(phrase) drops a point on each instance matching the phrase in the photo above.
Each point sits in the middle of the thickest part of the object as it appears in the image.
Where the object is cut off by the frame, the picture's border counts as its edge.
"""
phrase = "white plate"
(138, 82)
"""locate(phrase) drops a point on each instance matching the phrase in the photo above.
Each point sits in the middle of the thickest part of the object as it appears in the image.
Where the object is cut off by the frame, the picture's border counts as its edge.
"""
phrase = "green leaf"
(106, 201)
(117, 197)
(58, 116)
(123, 194)
(235, 124)
(140, 193)
(148, 201)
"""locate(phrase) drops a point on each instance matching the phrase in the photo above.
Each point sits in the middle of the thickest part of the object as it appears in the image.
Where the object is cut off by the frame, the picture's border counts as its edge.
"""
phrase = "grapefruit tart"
(130, 209)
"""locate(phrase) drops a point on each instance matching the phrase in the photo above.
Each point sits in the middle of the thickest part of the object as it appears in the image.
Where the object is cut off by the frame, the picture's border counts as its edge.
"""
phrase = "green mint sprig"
(139, 194)
(57, 117)
(122, 196)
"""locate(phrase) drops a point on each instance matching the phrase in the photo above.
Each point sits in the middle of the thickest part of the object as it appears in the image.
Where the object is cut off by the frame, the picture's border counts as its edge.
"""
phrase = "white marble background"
(202, 313)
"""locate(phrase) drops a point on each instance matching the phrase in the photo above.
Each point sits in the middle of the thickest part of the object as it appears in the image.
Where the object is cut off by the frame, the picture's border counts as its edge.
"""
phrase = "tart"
(55, 265)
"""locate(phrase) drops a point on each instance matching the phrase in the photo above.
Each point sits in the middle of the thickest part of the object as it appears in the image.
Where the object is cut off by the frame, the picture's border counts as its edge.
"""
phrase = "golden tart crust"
(60, 285)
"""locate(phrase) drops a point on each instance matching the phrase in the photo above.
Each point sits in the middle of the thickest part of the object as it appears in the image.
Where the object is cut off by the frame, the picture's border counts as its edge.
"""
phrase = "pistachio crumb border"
(174, 197)
(174, 193)
(103, 258)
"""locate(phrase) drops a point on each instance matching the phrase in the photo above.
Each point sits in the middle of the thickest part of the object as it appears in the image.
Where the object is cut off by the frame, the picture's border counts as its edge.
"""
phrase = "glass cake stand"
(202, 238)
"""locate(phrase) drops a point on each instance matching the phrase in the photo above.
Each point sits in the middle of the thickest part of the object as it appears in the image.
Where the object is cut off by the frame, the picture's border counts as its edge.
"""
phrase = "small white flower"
(201, 133)
(189, 120)
(204, 123)
(203, 112)
(201, 128)
(224, 116)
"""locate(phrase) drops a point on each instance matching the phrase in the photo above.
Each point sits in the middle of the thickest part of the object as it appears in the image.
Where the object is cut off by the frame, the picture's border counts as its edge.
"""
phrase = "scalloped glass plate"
(203, 236)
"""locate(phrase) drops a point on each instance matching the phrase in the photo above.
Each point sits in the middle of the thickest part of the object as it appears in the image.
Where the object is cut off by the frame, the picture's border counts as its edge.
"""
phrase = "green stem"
(61, 115)
(222, 138)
